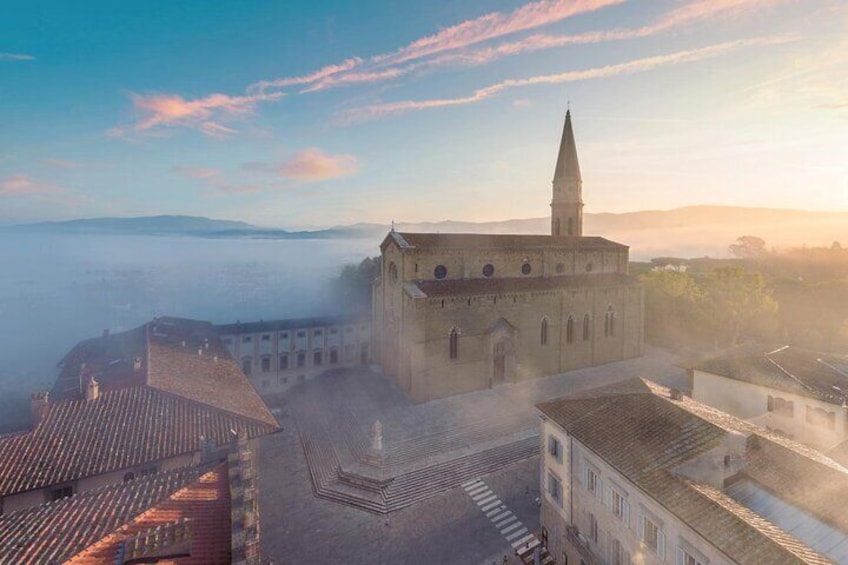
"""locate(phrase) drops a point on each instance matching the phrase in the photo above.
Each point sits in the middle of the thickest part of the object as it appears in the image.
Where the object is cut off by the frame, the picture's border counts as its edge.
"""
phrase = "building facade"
(459, 312)
(795, 392)
(276, 355)
(637, 473)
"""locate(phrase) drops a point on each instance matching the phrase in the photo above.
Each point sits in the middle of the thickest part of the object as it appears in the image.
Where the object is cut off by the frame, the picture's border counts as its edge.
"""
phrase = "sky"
(297, 114)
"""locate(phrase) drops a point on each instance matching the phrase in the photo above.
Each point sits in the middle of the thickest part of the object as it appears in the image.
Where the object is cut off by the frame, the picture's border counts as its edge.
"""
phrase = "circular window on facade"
(440, 272)
(488, 270)
(589, 267)
(526, 268)
(393, 273)
(560, 268)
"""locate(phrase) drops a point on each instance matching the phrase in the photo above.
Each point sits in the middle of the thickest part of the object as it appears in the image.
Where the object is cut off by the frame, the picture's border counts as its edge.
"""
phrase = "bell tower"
(567, 203)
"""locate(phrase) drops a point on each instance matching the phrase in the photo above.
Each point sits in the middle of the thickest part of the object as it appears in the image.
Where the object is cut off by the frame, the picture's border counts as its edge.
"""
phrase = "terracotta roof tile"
(53, 532)
(205, 503)
(121, 429)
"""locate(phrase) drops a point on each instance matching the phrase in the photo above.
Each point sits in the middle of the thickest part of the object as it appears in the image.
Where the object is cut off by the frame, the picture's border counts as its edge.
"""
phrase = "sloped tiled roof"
(478, 241)
(205, 503)
(176, 355)
(122, 428)
(645, 435)
(453, 287)
(54, 532)
(808, 373)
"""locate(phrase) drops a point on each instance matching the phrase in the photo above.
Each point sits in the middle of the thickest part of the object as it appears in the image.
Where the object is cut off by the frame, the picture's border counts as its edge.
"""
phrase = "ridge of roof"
(453, 287)
(419, 240)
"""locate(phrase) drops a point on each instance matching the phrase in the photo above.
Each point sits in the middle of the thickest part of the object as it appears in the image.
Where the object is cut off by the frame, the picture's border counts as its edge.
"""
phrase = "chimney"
(92, 392)
(200, 352)
(38, 407)
(675, 394)
(106, 332)
(215, 358)
(137, 364)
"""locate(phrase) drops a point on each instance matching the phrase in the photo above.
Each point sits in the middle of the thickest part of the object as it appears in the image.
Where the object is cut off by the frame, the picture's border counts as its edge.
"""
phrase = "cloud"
(62, 164)
(374, 111)
(195, 172)
(203, 114)
(313, 165)
(16, 57)
(19, 184)
(483, 28)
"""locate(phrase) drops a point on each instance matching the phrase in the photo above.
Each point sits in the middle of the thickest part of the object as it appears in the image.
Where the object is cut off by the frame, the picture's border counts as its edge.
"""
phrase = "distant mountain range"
(683, 232)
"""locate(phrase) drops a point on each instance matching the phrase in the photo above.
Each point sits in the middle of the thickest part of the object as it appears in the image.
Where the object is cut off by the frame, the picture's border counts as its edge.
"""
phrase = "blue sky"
(329, 113)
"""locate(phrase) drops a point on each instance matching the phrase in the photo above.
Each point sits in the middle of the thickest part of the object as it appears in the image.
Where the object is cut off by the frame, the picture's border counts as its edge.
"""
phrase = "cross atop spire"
(567, 166)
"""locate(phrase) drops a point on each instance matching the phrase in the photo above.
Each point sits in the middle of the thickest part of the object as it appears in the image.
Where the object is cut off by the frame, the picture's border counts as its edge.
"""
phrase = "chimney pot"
(92, 392)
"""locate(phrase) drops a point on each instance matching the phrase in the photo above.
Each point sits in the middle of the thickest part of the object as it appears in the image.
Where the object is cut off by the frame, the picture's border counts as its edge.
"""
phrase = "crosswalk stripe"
(501, 516)
(511, 527)
(490, 505)
(515, 535)
(480, 495)
(491, 513)
(492, 496)
(471, 483)
(522, 541)
(504, 521)
(477, 489)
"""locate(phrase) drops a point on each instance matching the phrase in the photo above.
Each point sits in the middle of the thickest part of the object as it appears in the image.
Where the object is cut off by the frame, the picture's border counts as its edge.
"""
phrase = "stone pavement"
(444, 525)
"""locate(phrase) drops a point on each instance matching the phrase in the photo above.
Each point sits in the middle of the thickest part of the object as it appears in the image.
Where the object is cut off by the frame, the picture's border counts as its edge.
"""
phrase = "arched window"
(609, 323)
(246, 365)
(454, 344)
(586, 327)
(556, 226)
(569, 329)
(544, 332)
(570, 226)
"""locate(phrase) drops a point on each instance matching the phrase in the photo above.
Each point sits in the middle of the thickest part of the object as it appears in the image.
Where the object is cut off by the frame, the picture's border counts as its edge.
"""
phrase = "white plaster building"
(637, 473)
(275, 355)
(795, 392)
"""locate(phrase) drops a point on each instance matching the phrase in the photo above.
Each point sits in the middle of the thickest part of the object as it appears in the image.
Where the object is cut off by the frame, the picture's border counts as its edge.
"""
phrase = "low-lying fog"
(56, 290)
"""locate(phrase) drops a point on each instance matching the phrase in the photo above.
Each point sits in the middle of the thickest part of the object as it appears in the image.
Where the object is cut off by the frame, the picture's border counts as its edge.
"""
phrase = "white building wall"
(750, 402)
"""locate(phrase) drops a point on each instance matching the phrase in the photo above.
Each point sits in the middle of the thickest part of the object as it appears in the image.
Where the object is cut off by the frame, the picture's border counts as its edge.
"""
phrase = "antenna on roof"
(393, 225)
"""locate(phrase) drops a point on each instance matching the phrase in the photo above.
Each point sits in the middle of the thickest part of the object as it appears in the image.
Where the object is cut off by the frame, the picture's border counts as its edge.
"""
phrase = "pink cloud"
(22, 184)
(203, 114)
(313, 165)
(195, 172)
(375, 111)
(483, 28)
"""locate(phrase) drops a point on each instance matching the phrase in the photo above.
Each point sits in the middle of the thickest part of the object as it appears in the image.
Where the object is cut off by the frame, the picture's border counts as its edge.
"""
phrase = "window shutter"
(627, 557)
(681, 557)
(625, 508)
(640, 526)
(584, 476)
(661, 544)
(607, 494)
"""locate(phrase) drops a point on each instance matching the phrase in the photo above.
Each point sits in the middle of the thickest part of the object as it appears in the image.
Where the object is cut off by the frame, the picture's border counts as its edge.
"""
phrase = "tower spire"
(567, 203)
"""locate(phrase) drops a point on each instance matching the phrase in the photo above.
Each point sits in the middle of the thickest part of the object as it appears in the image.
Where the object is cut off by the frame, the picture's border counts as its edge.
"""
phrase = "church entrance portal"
(499, 374)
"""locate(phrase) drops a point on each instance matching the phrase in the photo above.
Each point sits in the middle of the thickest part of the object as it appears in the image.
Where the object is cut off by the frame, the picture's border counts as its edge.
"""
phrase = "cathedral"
(454, 313)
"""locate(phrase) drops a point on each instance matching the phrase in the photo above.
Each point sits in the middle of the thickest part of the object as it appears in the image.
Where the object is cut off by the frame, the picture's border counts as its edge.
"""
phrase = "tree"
(353, 285)
(748, 247)
(738, 305)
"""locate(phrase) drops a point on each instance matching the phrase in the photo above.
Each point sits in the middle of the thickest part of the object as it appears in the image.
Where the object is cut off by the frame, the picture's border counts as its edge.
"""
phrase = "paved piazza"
(438, 459)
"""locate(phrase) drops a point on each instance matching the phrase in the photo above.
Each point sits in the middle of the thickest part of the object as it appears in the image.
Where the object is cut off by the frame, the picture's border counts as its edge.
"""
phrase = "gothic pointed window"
(609, 323)
(544, 332)
(454, 344)
(569, 329)
(556, 226)
(586, 327)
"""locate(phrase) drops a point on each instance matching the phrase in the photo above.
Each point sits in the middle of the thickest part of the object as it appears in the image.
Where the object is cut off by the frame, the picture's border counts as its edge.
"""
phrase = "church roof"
(567, 165)
(478, 241)
(464, 287)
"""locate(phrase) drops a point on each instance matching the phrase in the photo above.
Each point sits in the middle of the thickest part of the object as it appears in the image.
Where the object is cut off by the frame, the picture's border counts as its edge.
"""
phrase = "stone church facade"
(454, 313)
